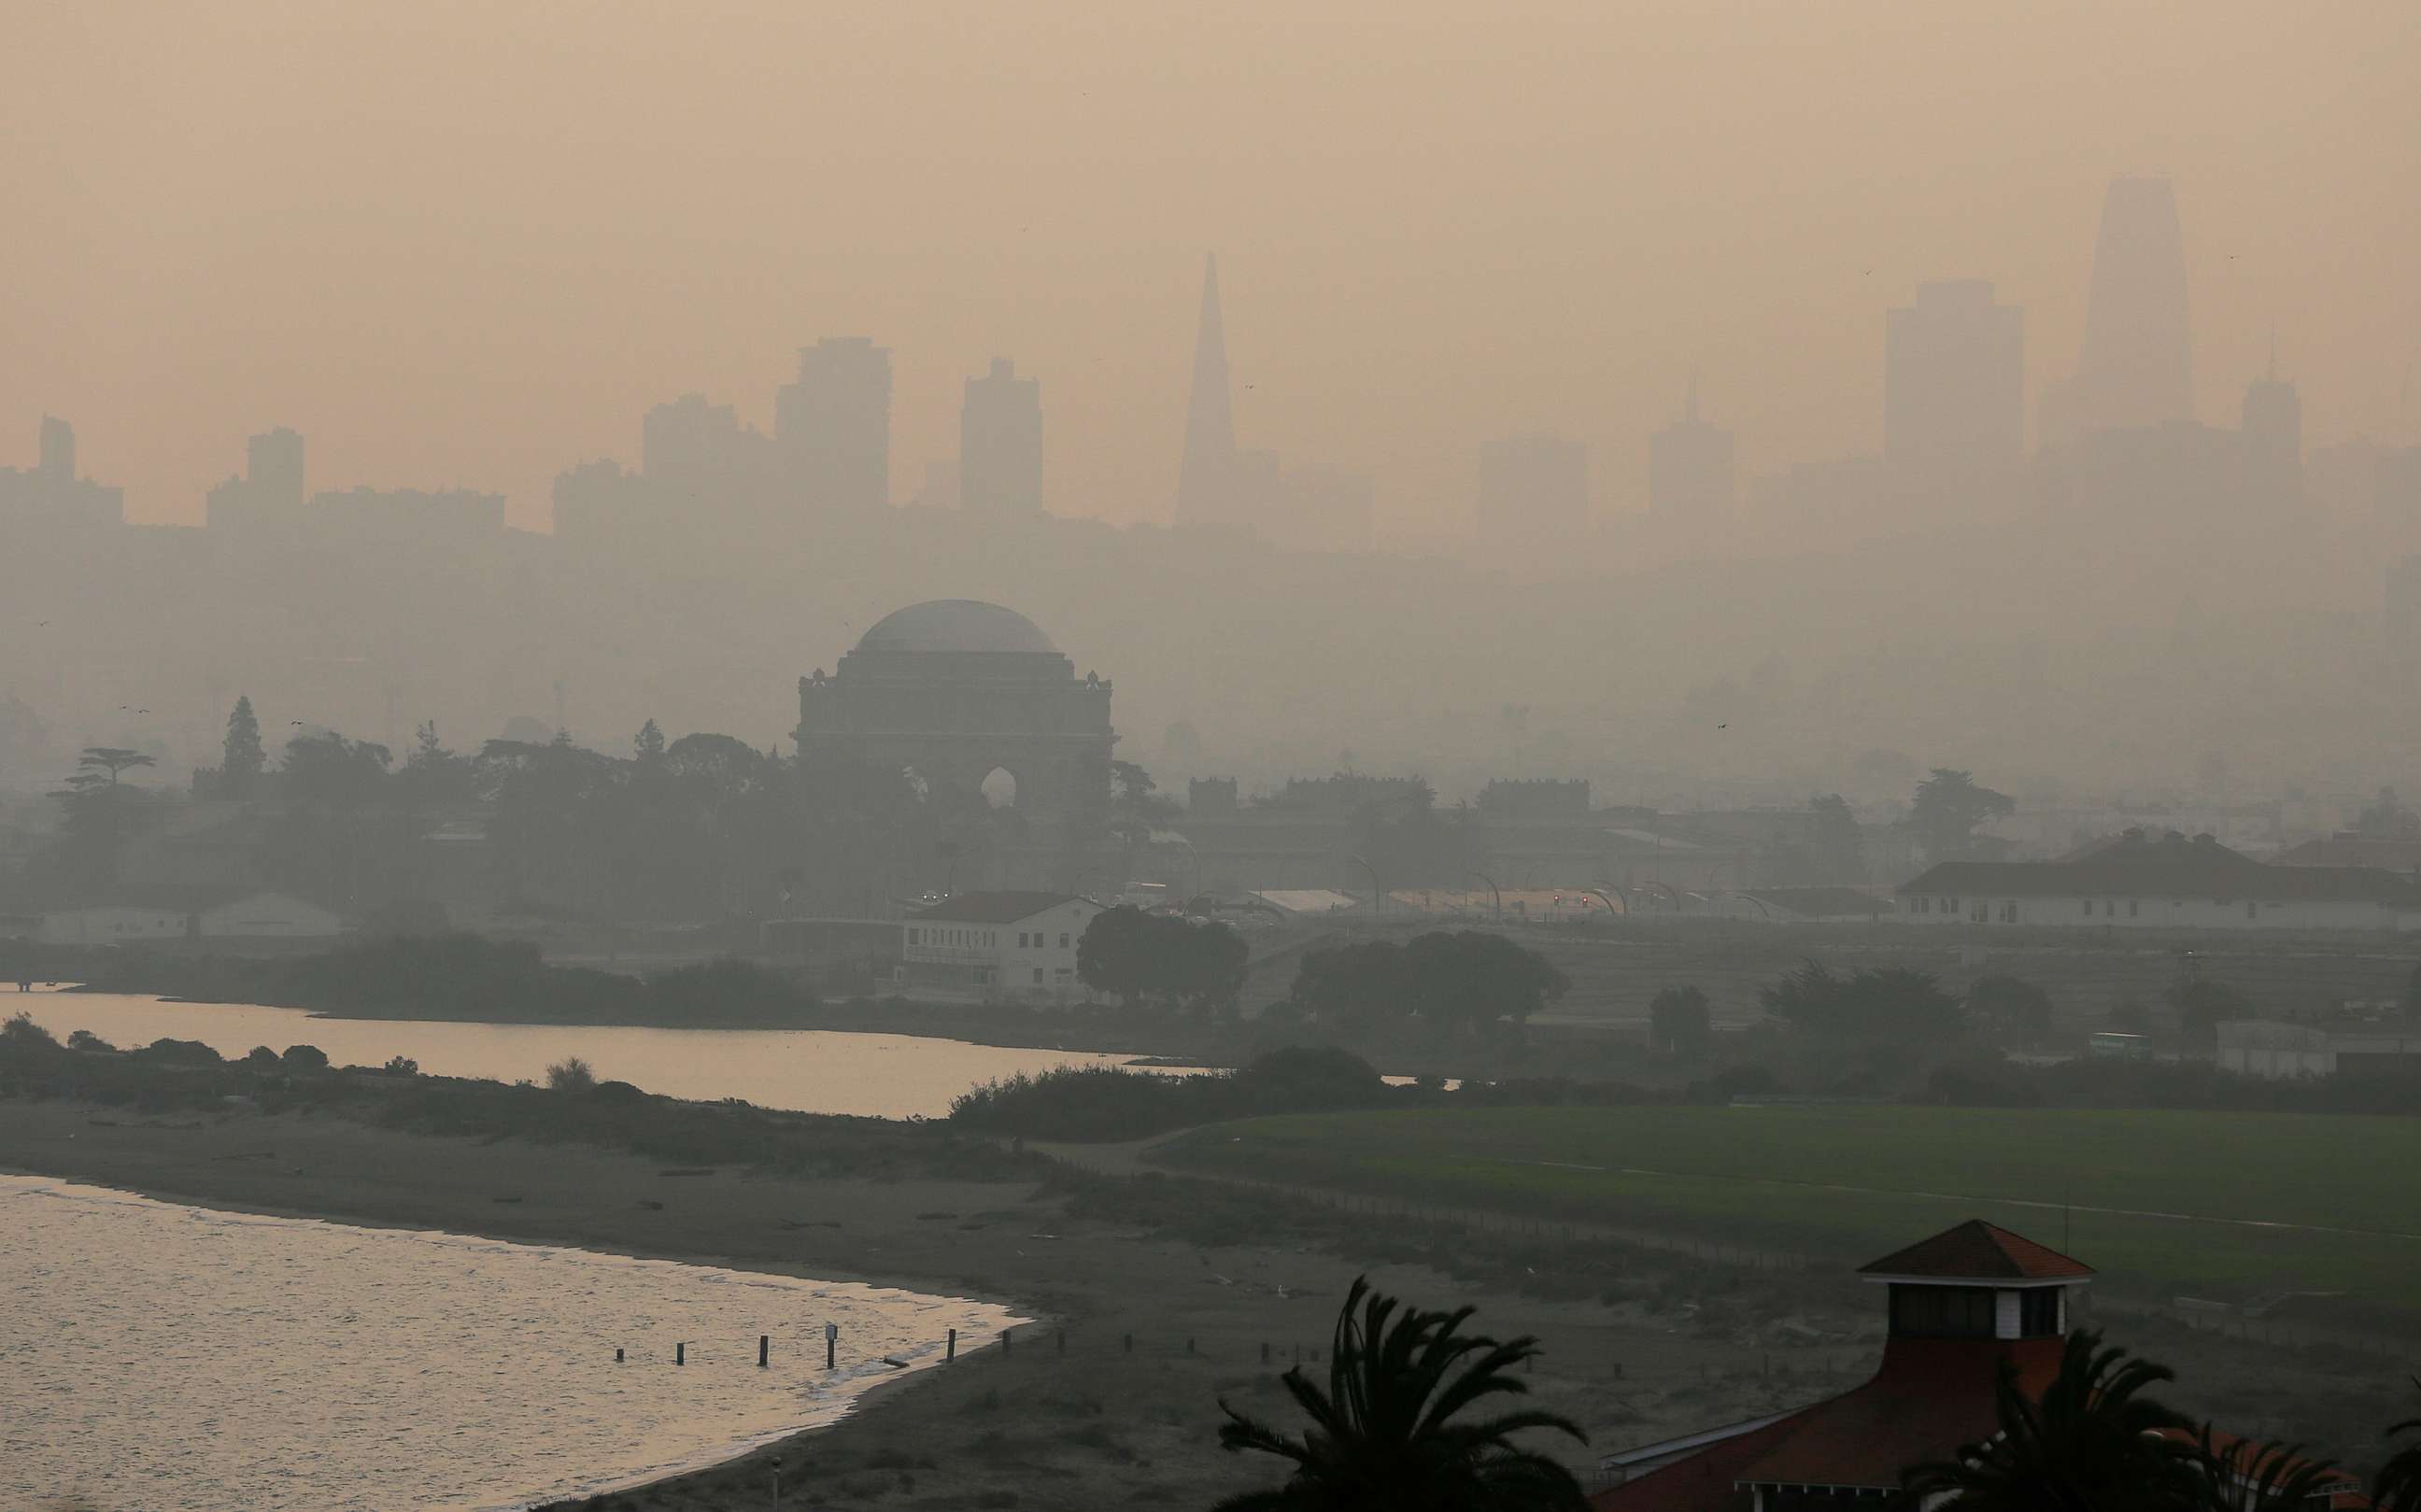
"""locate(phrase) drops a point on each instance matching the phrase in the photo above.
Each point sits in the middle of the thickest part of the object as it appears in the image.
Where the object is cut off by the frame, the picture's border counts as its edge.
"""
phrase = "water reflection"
(156, 1356)
(812, 1070)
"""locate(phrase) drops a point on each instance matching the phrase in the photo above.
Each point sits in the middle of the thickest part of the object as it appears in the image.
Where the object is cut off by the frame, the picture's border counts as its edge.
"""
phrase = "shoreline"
(1108, 1398)
(710, 1457)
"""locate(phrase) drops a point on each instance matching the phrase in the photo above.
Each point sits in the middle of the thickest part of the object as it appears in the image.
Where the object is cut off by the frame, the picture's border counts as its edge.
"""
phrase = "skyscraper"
(1000, 444)
(833, 424)
(2136, 368)
(2272, 437)
(59, 450)
(1206, 477)
(1532, 491)
(1689, 466)
(269, 492)
(1954, 387)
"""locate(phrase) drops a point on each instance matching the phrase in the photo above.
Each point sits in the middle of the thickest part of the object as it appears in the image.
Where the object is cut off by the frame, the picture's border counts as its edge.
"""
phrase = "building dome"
(956, 625)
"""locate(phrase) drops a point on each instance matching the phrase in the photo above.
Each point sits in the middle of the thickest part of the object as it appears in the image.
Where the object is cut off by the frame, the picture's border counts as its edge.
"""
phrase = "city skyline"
(1474, 300)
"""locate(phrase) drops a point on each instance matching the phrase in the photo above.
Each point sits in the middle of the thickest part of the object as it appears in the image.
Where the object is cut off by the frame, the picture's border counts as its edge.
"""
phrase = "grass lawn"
(1857, 1182)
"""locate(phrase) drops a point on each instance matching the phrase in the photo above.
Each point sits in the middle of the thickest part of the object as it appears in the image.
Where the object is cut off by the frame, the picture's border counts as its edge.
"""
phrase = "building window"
(2134, 908)
(1950, 905)
(2008, 910)
(2038, 1313)
(1037, 976)
(911, 936)
(2109, 908)
(1065, 972)
(2088, 908)
(1941, 1312)
(1063, 939)
(2249, 908)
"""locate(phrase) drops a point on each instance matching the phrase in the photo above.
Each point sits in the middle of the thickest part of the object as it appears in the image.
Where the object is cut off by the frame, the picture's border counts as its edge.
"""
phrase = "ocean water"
(159, 1356)
(807, 1070)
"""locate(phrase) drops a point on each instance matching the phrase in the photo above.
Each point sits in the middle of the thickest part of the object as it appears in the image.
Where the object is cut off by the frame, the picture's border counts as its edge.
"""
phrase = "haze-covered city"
(1108, 708)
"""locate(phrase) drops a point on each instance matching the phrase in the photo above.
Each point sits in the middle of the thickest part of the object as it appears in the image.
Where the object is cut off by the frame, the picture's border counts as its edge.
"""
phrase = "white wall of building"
(110, 924)
(269, 915)
(1033, 958)
(2155, 912)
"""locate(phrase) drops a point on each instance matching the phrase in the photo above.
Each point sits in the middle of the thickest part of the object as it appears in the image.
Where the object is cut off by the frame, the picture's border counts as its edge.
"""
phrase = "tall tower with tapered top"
(1206, 478)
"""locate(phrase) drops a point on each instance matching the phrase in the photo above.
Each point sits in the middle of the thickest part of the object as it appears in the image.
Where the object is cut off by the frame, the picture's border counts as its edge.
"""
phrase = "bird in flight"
(1723, 726)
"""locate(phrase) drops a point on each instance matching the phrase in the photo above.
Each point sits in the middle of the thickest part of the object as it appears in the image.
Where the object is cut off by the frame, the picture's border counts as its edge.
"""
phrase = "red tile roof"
(1929, 1398)
(1977, 1251)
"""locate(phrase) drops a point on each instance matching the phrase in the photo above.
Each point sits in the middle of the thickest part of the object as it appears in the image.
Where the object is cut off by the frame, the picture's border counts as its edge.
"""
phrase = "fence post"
(764, 1347)
(951, 1349)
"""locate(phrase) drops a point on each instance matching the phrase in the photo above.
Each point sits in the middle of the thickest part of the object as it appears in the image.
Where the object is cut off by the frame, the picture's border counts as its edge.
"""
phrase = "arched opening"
(999, 788)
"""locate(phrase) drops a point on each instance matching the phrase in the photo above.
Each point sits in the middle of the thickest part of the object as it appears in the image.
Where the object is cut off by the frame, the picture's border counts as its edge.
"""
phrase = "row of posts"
(832, 1346)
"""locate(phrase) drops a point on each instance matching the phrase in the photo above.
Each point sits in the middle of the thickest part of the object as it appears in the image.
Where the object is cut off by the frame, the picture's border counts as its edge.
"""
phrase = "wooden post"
(680, 1354)
(832, 1332)
(617, 1356)
(764, 1345)
(1004, 1341)
(950, 1350)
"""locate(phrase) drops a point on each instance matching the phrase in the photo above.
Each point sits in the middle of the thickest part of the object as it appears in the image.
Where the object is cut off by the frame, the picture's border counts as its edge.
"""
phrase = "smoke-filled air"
(1109, 705)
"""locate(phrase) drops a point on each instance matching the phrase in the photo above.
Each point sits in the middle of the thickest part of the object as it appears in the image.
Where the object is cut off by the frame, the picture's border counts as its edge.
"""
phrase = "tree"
(1890, 1002)
(100, 811)
(241, 759)
(329, 769)
(2396, 1488)
(1949, 807)
(1137, 955)
(1836, 847)
(2200, 1006)
(433, 774)
(303, 1058)
(2388, 818)
(571, 1074)
(1113, 954)
(1679, 1022)
(2016, 1010)
(2093, 1442)
(2247, 1475)
(1385, 1431)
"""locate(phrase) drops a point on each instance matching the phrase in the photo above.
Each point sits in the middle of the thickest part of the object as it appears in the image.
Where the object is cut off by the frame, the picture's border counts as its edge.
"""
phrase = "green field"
(1853, 1184)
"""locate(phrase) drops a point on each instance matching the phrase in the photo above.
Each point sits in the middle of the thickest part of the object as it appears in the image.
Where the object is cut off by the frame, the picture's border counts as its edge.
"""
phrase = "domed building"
(979, 703)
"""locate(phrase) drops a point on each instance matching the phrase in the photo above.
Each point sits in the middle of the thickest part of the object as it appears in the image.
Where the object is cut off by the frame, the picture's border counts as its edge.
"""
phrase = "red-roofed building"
(1961, 1303)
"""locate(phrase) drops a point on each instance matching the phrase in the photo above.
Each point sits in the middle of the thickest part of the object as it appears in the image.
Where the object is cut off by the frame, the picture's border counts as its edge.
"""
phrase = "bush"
(181, 1053)
(263, 1059)
(303, 1059)
(402, 1066)
(85, 1039)
(572, 1075)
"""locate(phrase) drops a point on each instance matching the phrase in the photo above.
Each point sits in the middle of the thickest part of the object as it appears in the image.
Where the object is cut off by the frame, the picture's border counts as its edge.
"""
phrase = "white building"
(2138, 882)
(996, 947)
(201, 916)
(2265, 1048)
(112, 924)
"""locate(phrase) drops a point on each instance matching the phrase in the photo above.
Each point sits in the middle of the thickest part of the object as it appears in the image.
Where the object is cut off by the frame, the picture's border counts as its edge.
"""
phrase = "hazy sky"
(471, 242)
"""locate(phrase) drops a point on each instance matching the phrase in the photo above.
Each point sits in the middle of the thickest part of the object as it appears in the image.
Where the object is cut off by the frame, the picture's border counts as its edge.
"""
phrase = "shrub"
(572, 1075)
(303, 1058)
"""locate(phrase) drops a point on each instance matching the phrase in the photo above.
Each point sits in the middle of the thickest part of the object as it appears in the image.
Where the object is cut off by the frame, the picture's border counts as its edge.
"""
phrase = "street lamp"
(1494, 893)
(1378, 894)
